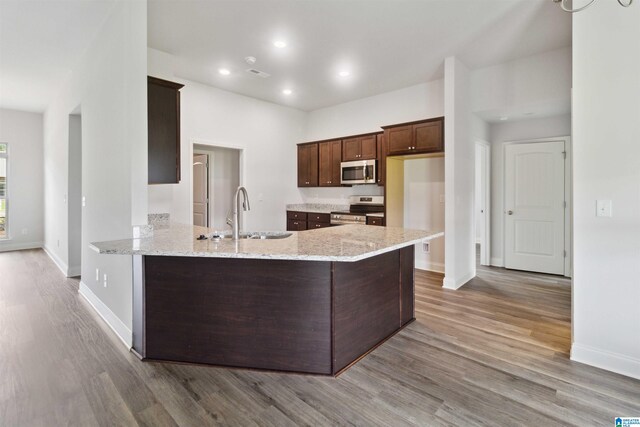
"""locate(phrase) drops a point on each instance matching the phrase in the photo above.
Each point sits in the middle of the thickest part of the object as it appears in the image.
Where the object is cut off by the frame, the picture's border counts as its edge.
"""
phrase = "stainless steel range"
(359, 207)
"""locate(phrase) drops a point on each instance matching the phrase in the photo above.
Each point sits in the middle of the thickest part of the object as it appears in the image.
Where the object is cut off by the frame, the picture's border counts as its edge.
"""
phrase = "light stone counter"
(343, 243)
(317, 207)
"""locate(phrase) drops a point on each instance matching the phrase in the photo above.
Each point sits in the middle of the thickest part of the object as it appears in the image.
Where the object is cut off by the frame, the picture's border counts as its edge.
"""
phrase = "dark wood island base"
(316, 317)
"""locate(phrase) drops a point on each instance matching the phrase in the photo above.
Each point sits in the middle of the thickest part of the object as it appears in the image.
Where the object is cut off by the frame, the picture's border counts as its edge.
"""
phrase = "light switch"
(603, 208)
(84, 201)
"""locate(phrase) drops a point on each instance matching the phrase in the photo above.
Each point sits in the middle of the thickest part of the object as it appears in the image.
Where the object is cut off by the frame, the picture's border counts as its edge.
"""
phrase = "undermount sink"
(254, 235)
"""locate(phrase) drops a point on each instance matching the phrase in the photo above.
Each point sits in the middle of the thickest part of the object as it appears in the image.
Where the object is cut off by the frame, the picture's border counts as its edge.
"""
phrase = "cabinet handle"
(295, 223)
(317, 225)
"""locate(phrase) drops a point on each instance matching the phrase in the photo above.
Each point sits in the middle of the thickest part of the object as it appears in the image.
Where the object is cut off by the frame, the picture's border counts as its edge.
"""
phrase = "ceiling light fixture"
(287, 91)
(250, 60)
(224, 71)
(344, 73)
(563, 5)
(280, 44)
(503, 118)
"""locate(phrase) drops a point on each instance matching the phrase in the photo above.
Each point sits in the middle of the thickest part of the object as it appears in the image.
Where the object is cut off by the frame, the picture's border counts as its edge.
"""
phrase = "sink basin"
(255, 235)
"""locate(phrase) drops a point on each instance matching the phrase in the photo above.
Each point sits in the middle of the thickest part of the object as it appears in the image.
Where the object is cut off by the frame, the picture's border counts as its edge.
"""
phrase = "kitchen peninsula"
(313, 302)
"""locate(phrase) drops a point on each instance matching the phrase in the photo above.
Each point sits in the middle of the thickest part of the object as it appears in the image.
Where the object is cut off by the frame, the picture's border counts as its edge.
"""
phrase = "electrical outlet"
(25, 231)
(442, 198)
(604, 208)
(97, 274)
(426, 247)
(105, 279)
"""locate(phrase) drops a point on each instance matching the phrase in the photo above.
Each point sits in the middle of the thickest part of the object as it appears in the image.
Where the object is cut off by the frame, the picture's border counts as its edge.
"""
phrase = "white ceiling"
(386, 44)
(40, 42)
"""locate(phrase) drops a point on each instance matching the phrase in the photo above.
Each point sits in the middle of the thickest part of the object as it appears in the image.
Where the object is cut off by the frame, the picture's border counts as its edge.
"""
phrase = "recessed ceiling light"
(344, 73)
(287, 91)
(503, 118)
(224, 71)
(280, 44)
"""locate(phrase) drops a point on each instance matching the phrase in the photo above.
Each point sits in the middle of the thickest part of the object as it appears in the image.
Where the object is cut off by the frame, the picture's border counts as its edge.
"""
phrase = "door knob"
(510, 212)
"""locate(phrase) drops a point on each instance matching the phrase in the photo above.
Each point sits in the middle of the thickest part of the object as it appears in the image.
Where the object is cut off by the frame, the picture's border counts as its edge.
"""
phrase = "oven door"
(358, 172)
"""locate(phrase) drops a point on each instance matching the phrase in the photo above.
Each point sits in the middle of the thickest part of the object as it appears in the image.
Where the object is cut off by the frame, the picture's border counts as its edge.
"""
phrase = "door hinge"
(565, 253)
(564, 204)
(564, 154)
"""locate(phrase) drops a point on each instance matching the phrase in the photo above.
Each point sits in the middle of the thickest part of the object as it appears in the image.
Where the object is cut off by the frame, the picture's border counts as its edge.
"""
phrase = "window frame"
(5, 156)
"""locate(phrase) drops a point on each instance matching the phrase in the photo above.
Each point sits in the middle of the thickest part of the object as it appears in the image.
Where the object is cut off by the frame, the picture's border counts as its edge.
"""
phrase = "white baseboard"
(497, 262)
(451, 283)
(56, 260)
(607, 360)
(437, 267)
(107, 315)
(6, 245)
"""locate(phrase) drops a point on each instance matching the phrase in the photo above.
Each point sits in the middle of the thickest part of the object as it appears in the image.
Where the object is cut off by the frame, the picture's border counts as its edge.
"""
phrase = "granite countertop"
(344, 243)
(317, 208)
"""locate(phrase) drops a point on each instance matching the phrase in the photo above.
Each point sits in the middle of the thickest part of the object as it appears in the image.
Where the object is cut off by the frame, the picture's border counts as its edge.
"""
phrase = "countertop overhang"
(345, 243)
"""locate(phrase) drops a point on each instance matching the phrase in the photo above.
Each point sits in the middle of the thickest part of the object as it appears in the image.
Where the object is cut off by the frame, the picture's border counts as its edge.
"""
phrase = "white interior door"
(534, 206)
(200, 190)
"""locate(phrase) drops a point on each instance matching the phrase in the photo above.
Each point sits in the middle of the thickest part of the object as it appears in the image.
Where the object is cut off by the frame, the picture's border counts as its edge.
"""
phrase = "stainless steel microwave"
(358, 172)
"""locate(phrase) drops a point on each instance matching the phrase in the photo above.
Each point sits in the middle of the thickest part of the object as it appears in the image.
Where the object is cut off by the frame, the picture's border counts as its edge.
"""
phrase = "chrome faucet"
(237, 217)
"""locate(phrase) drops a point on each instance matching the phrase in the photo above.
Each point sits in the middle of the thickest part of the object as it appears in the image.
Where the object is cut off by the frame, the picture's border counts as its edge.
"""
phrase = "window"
(4, 202)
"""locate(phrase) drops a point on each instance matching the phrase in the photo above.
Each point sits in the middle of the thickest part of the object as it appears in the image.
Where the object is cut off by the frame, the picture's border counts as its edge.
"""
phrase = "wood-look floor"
(492, 353)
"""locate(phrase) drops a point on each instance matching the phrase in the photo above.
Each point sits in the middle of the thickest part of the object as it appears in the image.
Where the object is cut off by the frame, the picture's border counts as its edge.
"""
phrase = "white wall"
(23, 132)
(266, 132)
(109, 84)
(606, 150)
(424, 207)
(460, 260)
(74, 195)
(508, 132)
(538, 83)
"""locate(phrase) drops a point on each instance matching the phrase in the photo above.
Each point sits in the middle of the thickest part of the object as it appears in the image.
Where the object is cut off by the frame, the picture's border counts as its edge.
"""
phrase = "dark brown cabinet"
(375, 220)
(382, 158)
(308, 165)
(425, 136)
(359, 148)
(299, 221)
(163, 116)
(330, 156)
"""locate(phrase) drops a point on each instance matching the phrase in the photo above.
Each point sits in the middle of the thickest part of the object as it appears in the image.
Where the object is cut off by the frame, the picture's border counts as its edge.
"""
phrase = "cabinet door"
(163, 126)
(382, 158)
(351, 149)
(428, 137)
(330, 156)
(368, 147)
(296, 225)
(308, 165)
(399, 139)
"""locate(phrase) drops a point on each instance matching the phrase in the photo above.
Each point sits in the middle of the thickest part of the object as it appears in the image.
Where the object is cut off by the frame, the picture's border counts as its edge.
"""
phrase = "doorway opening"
(74, 195)
(215, 176)
(483, 200)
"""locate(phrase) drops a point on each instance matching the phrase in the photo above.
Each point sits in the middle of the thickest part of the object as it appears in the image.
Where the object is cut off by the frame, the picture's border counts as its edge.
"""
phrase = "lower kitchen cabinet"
(299, 221)
(375, 220)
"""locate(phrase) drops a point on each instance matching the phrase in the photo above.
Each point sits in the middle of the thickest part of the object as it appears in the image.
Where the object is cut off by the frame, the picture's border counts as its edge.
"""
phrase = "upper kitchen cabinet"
(308, 165)
(330, 156)
(425, 136)
(359, 148)
(163, 110)
(382, 158)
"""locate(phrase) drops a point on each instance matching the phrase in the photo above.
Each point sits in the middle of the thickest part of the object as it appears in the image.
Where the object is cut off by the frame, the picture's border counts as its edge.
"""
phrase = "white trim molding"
(107, 315)
(449, 283)
(436, 267)
(62, 266)
(6, 247)
(497, 262)
(614, 362)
